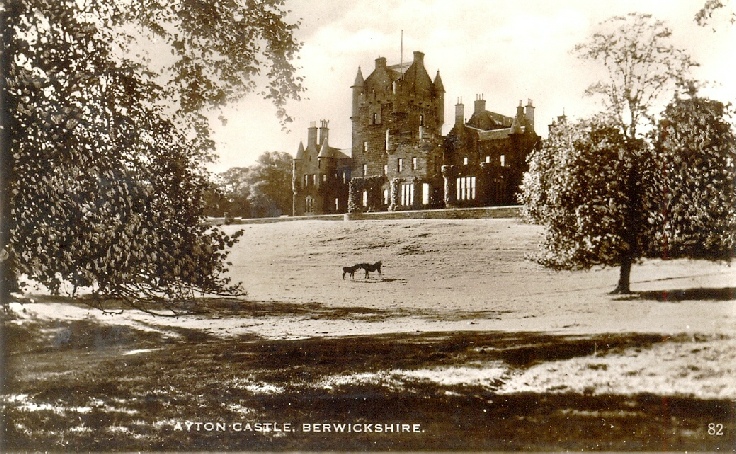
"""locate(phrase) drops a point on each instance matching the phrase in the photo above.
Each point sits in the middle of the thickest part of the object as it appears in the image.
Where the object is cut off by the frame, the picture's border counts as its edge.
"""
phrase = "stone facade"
(321, 175)
(399, 159)
(485, 157)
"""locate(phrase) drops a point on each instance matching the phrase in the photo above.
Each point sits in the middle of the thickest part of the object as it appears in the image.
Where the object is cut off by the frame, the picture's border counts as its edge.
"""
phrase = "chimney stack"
(380, 62)
(480, 104)
(459, 113)
(312, 135)
(529, 112)
(323, 132)
(518, 119)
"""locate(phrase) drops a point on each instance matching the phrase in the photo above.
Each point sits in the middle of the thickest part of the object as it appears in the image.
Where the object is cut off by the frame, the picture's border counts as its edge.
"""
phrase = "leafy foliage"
(587, 186)
(608, 200)
(105, 179)
(356, 187)
(704, 16)
(696, 206)
(261, 190)
(598, 188)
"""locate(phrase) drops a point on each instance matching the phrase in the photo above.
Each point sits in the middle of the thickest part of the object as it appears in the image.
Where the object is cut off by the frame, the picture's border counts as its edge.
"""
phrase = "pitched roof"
(493, 134)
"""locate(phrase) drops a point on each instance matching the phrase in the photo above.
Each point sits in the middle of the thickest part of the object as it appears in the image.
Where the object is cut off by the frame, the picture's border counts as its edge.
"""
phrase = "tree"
(270, 184)
(705, 14)
(695, 181)
(102, 179)
(605, 159)
(231, 190)
(643, 68)
(588, 186)
(608, 200)
(261, 190)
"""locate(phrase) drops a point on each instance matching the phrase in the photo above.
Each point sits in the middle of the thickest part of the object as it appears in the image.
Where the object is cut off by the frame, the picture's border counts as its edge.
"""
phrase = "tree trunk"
(7, 277)
(623, 278)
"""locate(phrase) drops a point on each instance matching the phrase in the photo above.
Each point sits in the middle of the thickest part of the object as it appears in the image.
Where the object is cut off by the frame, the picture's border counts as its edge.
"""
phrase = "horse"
(370, 268)
(349, 270)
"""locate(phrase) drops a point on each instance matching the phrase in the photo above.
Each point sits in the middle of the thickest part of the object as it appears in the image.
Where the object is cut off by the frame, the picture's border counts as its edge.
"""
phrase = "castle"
(399, 159)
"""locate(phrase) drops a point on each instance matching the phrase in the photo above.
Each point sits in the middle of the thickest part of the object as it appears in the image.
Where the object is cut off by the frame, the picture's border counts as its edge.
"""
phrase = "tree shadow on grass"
(691, 294)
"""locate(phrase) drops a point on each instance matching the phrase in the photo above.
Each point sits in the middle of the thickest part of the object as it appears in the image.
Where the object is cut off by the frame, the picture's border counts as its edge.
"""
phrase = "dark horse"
(370, 268)
(349, 270)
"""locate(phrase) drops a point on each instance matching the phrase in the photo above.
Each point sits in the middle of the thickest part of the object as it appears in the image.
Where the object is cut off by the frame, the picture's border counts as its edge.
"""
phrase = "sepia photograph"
(375, 225)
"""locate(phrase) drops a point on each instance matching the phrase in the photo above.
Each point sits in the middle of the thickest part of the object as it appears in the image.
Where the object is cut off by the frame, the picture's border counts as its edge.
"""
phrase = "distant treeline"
(258, 191)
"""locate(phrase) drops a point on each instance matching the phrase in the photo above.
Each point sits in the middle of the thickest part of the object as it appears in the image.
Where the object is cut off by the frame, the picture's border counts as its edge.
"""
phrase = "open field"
(462, 342)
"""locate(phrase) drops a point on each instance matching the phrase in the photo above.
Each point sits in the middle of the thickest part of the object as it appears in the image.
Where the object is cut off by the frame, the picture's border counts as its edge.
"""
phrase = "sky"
(507, 51)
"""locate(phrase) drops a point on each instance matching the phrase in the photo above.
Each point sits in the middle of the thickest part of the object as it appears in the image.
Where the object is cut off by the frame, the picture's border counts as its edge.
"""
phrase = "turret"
(324, 151)
(300, 152)
(439, 89)
(357, 92)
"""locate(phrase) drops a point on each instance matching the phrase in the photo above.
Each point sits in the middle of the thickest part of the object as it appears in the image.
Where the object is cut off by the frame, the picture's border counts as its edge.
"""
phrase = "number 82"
(715, 429)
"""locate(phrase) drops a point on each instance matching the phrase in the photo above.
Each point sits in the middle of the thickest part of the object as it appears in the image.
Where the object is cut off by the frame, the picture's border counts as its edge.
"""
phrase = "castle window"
(465, 161)
(400, 164)
(413, 163)
(344, 177)
(385, 144)
(376, 115)
(488, 159)
(337, 204)
(314, 179)
(421, 119)
(425, 194)
(466, 188)
(309, 204)
(306, 180)
(365, 170)
(324, 178)
(319, 163)
(407, 194)
(386, 199)
(503, 160)
(365, 198)
(385, 169)
(365, 146)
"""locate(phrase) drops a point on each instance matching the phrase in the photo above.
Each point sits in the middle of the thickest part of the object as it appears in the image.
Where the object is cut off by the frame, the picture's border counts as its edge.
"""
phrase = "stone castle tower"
(397, 118)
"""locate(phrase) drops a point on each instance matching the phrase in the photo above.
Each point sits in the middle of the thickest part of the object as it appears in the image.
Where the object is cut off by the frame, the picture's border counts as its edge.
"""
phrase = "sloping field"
(476, 270)
(461, 344)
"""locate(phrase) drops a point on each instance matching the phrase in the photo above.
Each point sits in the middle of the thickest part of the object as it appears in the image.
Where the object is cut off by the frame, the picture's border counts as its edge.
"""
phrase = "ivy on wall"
(357, 186)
